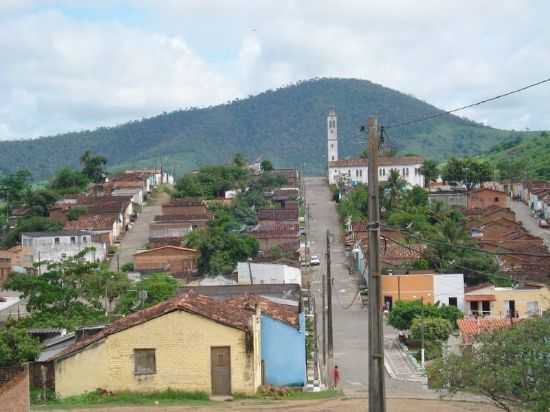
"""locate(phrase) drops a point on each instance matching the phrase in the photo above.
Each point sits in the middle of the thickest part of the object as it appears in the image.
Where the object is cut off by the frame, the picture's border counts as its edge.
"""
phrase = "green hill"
(528, 157)
(286, 125)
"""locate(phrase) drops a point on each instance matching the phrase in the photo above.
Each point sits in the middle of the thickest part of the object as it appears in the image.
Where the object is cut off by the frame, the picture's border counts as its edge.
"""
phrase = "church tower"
(332, 132)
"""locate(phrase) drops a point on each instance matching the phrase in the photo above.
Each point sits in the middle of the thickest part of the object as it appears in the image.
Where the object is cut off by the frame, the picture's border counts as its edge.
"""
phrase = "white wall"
(268, 273)
(359, 174)
(449, 285)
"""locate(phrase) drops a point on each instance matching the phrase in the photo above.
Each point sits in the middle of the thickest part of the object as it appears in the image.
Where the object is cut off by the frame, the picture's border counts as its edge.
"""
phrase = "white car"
(314, 261)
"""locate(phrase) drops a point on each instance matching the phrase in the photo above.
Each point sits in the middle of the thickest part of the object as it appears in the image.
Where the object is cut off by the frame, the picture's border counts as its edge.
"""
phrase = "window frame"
(143, 371)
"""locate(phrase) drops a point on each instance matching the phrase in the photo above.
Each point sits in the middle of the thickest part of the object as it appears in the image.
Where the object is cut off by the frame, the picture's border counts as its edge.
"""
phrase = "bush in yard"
(404, 312)
(17, 347)
(435, 329)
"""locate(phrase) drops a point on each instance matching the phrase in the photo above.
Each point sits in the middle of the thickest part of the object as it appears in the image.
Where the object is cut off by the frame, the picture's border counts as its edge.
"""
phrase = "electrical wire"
(447, 112)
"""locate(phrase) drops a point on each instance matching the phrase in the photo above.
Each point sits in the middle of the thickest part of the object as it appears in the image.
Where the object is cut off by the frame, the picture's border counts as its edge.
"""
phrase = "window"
(56, 241)
(73, 240)
(332, 157)
(486, 307)
(144, 362)
(533, 308)
(496, 199)
(453, 302)
(85, 239)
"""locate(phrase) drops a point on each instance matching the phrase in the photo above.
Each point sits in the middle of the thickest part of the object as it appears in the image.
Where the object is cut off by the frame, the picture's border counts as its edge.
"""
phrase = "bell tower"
(332, 134)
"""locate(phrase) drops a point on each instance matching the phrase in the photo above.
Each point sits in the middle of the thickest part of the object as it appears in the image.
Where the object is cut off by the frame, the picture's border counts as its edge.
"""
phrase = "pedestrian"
(335, 376)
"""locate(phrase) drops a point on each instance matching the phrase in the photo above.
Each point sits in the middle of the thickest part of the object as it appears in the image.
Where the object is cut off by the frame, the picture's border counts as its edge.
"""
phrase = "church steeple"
(332, 132)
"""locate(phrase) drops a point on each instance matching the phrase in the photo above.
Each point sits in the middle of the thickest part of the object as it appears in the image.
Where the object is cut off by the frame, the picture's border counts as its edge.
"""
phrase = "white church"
(356, 170)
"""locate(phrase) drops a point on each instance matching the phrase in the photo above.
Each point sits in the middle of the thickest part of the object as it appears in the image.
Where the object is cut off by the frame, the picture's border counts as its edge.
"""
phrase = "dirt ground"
(331, 405)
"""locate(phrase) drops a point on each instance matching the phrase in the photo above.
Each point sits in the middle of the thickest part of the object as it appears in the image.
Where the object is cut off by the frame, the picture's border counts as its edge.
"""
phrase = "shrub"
(435, 329)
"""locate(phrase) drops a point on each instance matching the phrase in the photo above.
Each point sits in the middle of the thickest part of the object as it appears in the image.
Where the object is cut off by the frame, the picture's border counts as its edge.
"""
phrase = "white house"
(57, 246)
(268, 273)
(449, 289)
(356, 170)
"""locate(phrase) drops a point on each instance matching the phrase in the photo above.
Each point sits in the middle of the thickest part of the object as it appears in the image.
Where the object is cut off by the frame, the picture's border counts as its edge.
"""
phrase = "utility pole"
(323, 319)
(422, 350)
(377, 390)
(329, 314)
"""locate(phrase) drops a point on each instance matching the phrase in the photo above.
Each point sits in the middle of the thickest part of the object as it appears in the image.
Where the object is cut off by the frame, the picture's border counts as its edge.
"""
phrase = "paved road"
(350, 322)
(138, 236)
(522, 215)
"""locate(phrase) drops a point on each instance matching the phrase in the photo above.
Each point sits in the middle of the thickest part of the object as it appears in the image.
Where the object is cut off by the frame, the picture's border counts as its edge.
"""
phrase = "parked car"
(314, 261)
(543, 223)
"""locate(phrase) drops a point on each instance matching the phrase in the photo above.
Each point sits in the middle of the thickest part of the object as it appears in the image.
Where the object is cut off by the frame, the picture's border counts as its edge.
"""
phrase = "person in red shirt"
(336, 376)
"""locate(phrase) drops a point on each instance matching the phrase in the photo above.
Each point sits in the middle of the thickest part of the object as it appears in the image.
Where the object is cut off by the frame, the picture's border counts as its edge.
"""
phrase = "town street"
(529, 222)
(138, 236)
(350, 322)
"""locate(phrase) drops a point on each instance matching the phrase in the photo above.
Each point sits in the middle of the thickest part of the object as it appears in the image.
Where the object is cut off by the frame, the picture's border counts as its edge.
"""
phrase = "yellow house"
(190, 342)
(504, 302)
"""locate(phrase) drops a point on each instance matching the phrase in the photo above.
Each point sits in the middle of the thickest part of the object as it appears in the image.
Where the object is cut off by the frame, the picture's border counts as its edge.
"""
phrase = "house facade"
(447, 289)
(190, 343)
(504, 302)
(484, 198)
(57, 246)
(179, 261)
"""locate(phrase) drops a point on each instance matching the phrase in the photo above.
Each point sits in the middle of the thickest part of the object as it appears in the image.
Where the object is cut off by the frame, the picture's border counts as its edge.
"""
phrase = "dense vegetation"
(522, 158)
(287, 125)
(508, 366)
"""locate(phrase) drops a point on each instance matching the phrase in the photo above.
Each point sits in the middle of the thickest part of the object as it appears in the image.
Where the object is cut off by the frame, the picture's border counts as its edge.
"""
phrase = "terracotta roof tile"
(470, 328)
(278, 214)
(284, 313)
(92, 222)
(221, 312)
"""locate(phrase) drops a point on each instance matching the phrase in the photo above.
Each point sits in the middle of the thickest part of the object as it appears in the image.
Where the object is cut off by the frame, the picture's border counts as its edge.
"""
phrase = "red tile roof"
(92, 222)
(278, 214)
(277, 311)
(478, 298)
(382, 161)
(168, 247)
(221, 312)
(471, 327)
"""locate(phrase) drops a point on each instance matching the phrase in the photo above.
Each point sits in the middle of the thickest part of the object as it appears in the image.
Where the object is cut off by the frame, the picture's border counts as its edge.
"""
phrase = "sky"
(69, 65)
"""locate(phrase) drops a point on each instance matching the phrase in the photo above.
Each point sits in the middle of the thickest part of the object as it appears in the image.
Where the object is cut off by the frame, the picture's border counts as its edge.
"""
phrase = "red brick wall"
(14, 389)
(485, 198)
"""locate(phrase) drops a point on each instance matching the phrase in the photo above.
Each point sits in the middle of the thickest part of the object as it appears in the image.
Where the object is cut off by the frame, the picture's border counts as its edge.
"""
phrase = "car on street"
(543, 223)
(314, 261)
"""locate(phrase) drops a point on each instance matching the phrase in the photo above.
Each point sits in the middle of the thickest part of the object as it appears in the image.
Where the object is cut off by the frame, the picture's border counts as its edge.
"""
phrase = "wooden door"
(220, 358)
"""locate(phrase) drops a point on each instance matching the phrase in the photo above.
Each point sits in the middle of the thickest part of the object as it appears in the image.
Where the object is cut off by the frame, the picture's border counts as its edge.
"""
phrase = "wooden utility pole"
(323, 319)
(377, 390)
(329, 314)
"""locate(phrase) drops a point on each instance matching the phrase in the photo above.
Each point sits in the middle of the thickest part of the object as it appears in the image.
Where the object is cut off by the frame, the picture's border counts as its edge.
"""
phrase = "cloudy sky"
(75, 64)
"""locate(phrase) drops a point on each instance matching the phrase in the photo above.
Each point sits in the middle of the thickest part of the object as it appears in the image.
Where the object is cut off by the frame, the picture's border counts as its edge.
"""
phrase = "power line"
(433, 116)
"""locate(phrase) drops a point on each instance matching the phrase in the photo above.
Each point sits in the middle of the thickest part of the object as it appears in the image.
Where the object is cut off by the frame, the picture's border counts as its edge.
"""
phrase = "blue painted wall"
(283, 352)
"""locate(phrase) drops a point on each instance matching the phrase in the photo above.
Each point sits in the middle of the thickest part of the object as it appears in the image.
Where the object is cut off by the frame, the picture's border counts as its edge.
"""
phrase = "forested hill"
(285, 125)
(522, 158)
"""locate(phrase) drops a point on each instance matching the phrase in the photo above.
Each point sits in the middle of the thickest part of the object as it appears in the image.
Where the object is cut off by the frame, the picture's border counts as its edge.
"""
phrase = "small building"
(185, 207)
(484, 198)
(57, 246)
(490, 301)
(451, 198)
(179, 261)
(15, 259)
(283, 326)
(267, 273)
(188, 343)
(105, 228)
(282, 235)
(447, 289)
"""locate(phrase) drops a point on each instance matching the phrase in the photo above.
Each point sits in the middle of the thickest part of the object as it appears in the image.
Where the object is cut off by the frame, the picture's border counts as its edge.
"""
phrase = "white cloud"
(60, 73)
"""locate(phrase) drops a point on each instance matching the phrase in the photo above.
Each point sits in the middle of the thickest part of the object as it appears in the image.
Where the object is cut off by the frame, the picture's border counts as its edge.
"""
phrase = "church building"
(356, 170)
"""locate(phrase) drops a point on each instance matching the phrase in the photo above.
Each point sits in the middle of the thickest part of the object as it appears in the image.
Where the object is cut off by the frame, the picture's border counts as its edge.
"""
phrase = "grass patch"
(291, 395)
(103, 397)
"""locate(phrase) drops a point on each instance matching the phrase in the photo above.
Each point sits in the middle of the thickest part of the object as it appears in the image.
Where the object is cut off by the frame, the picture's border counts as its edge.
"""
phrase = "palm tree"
(393, 189)
(430, 172)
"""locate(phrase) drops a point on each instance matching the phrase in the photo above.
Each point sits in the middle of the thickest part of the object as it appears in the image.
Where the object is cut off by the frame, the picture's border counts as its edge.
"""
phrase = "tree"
(188, 186)
(266, 165)
(470, 172)
(68, 294)
(39, 200)
(75, 212)
(221, 244)
(393, 190)
(69, 180)
(155, 288)
(508, 366)
(435, 329)
(93, 166)
(12, 186)
(17, 347)
(355, 204)
(430, 171)
(239, 160)
(30, 224)
(509, 168)
(404, 312)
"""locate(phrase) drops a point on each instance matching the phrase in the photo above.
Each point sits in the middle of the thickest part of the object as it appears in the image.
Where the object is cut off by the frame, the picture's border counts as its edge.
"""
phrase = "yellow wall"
(182, 342)
(499, 308)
